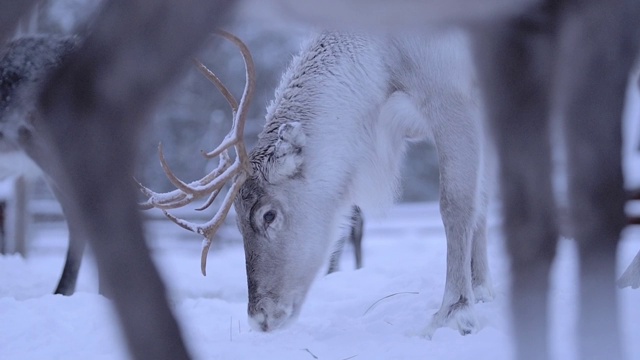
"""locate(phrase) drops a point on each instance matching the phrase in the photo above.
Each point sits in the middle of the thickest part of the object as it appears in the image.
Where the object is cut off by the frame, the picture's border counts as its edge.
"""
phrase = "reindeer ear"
(288, 155)
(291, 132)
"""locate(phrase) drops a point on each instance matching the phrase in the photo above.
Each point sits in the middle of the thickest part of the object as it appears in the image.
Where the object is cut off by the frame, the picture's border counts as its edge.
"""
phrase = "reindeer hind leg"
(459, 156)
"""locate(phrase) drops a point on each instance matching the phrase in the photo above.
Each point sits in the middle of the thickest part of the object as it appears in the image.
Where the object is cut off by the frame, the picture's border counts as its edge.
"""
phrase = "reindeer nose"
(265, 315)
(262, 312)
(265, 306)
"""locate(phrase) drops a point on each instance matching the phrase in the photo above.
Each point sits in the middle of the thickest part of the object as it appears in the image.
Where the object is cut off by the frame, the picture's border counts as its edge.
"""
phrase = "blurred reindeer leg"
(94, 106)
(35, 148)
(12, 12)
(597, 48)
(33, 144)
(75, 252)
(23, 65)
(69, 277)
(514, 61)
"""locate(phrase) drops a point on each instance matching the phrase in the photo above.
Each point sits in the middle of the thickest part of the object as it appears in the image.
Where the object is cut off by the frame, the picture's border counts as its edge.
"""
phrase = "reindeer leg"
(355, 238)
(69, 277)
(480, 275)
(459, 154)
(31, 141)
(514, 62)
(93, 106)
(75, 252)
(356, 234)
(597, 51)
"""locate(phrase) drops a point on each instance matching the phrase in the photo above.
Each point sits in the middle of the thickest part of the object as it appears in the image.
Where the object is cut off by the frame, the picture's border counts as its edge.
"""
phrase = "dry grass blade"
(388, 296)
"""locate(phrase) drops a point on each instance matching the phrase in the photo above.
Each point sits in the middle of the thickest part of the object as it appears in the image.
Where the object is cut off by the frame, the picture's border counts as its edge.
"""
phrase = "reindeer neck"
(335, 77)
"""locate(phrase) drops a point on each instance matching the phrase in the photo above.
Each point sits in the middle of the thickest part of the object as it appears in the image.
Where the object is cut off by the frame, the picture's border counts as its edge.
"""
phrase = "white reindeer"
(335, 137)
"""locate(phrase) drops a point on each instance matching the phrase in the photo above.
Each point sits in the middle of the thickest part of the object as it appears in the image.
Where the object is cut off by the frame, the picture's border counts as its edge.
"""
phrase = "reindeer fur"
(335, 137)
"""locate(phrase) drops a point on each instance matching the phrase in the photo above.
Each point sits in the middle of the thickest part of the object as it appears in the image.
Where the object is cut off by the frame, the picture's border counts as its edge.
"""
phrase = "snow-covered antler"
(211, 184)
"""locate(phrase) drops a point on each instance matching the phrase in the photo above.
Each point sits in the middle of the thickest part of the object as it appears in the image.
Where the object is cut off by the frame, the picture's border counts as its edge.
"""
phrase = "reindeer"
(335, 136)
(23, 67)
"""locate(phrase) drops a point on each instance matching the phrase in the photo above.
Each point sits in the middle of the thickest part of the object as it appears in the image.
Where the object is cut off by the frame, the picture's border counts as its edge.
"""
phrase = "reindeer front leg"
(463, 207)
(480, 275)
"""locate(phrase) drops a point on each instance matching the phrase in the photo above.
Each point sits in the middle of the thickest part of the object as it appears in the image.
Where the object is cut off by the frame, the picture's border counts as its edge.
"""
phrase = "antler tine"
(210, 200)
(234, 138)
(185, 193)
(181, 185)
(209, 229)
(218, 83)
(215, 180)
(211, 184)
(170, 200)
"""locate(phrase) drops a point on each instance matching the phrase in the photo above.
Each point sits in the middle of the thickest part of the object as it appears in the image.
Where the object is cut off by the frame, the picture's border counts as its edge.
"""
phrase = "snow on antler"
(211, 184)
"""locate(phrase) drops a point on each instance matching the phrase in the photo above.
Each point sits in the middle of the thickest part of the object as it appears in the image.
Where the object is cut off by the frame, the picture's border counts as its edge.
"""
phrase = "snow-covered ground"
(377, 312)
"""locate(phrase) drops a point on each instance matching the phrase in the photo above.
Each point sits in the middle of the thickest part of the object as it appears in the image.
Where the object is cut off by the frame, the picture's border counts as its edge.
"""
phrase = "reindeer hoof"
(459, 316)
(483, 293)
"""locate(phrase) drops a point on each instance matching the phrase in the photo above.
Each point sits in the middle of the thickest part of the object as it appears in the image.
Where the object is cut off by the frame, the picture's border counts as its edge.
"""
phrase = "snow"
(16, 162)
(377, 312)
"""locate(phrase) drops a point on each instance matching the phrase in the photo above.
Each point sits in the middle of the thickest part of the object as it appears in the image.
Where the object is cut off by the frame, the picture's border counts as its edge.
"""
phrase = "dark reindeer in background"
(530, 52)
(24, 64)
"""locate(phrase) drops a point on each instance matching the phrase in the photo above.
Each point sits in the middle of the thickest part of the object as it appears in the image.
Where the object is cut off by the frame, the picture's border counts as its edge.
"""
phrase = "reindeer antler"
(211, 184)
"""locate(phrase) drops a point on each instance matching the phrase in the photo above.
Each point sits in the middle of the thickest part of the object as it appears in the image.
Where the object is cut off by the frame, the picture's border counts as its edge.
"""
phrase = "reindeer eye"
(269, 216)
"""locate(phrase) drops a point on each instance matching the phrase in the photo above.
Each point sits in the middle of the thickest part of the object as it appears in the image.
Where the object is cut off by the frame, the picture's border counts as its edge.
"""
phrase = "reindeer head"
(275, 219)
(284, 222)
